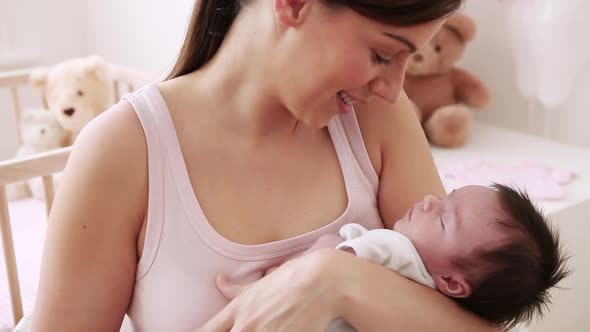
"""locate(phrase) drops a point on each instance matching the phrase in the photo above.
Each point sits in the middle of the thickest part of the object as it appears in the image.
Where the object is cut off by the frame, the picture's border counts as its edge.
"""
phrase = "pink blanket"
(540, 181)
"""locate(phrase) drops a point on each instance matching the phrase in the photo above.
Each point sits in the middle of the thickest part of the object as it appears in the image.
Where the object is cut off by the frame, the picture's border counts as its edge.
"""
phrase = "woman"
(256, 122)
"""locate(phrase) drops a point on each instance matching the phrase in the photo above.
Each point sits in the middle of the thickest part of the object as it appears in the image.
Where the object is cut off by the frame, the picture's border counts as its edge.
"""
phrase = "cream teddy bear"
(40, 132)
(76, 91)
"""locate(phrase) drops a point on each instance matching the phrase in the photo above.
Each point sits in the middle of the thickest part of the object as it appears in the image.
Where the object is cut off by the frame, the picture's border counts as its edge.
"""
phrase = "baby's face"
(444, 229)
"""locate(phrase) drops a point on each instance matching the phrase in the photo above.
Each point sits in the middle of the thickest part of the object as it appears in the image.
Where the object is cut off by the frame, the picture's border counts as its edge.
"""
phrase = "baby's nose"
(430, 202)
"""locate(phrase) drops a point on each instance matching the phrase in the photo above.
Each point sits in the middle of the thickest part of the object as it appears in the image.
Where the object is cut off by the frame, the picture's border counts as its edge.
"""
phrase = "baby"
(489, 249)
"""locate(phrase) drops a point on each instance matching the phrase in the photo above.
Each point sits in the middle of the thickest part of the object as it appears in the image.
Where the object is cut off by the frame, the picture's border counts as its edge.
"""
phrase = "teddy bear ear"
(463, 25)
(28, 116)
(38, 77)
(96, 66)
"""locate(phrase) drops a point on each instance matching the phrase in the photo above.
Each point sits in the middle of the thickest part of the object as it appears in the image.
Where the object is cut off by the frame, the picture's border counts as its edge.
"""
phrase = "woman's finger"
(222, 322)
(228, 287)
(270, 270)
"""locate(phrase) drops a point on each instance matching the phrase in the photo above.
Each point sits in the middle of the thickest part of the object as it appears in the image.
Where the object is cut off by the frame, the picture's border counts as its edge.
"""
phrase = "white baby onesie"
(387, 248)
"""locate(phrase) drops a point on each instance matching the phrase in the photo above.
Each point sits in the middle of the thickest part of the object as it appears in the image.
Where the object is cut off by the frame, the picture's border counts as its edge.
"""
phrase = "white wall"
(147, 35)
(144, 34)
(490, 57)
(47, 31)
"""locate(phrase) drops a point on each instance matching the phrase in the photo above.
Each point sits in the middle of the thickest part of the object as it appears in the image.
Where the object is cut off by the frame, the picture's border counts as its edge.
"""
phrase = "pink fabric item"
(175, 282)
(541, 182)
(28, 221)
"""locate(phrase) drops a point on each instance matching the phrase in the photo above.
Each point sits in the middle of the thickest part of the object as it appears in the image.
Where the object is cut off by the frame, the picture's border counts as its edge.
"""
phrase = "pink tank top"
(175, 282)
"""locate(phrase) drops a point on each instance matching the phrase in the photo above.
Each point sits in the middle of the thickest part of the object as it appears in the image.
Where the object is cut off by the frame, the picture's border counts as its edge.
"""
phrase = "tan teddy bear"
(76, 91)
(39, 132)
(444, 95)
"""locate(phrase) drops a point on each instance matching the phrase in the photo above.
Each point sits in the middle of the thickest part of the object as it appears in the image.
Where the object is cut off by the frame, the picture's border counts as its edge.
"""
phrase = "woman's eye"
(380, 59)
(442, 223)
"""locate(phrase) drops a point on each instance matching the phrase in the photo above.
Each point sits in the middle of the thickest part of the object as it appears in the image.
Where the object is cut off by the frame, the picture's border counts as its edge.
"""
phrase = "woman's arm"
(307, 293)
(401, 156)
(378, 299)
(90, 255)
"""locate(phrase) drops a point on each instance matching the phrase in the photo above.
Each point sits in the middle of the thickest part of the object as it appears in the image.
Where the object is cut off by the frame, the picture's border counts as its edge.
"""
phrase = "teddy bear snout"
(69, 111)
(418, 57)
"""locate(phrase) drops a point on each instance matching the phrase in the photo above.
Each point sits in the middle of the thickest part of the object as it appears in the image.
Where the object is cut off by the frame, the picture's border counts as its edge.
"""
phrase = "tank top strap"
(346, 134)
(150, 117)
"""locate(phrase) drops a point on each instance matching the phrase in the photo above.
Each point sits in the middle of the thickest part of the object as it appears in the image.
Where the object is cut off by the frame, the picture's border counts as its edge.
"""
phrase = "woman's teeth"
(345, 98)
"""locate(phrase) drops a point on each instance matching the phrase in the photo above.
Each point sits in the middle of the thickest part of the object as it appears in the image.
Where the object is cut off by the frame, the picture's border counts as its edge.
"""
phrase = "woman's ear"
(290, 12)
(453, 285)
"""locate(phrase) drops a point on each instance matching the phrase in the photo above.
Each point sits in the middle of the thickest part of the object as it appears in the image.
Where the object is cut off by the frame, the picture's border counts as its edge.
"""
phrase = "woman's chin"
(316, 122)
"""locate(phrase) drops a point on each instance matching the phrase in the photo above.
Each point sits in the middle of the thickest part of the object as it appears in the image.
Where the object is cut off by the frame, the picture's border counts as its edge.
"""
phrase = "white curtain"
(551, 43)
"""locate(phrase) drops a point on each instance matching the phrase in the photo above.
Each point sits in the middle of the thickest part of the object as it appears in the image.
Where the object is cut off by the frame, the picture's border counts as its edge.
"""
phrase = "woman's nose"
(388, 89)
(388, 84)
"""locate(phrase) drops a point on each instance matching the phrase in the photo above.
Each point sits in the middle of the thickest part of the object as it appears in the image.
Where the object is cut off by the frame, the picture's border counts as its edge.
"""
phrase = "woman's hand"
(298, 296)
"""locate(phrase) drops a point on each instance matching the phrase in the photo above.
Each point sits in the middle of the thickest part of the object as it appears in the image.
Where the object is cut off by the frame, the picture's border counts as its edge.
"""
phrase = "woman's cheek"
(357, 74)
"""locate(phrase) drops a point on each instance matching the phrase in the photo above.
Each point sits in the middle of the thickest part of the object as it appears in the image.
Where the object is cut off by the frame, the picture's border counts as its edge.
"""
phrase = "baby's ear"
(453, 285)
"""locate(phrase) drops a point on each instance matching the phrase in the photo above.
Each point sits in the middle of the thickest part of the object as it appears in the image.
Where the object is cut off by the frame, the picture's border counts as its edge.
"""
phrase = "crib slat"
(44, 101)
(117, 94)
(15, 101)
(48, 187)
(17, 170)
(14, 78)
(17, 110)
(10, 258)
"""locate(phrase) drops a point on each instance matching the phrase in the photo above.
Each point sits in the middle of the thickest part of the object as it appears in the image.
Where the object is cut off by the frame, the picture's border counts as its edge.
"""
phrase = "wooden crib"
(42, 165)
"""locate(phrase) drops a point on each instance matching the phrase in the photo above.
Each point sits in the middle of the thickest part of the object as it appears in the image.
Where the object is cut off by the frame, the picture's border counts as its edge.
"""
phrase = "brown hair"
(211, 20)
(518, 274)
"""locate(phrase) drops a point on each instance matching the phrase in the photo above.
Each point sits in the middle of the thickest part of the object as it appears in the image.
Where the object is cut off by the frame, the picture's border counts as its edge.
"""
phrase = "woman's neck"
(240, 83)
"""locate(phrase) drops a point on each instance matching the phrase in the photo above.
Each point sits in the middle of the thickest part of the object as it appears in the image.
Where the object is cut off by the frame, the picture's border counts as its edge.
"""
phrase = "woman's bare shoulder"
(90, 253)
(113, 142)
(384, 126)
(106, 173)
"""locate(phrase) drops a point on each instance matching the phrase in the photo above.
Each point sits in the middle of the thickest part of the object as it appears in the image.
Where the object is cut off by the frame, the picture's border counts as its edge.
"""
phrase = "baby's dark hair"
(519, 273)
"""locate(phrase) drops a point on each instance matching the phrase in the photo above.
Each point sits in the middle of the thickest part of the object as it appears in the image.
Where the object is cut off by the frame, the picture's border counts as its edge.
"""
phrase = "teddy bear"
(76, 91)
(39, 132)
(442, 94)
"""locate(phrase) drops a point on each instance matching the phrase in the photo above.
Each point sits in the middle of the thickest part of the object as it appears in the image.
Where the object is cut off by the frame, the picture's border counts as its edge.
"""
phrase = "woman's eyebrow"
(402, 39)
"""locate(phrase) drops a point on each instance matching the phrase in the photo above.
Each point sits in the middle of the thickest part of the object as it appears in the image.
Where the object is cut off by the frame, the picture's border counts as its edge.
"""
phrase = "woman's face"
(331, 58)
